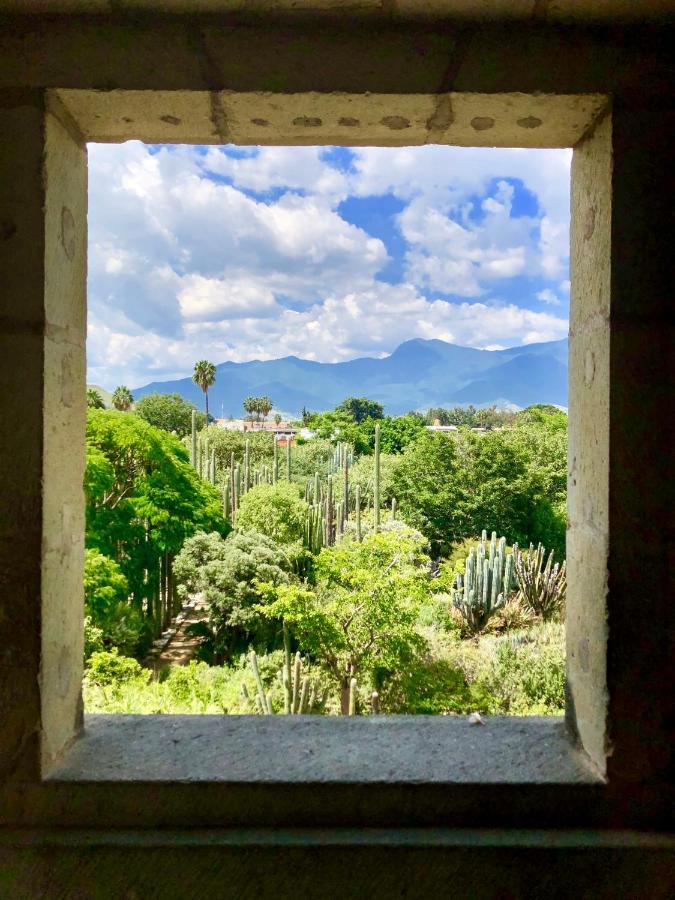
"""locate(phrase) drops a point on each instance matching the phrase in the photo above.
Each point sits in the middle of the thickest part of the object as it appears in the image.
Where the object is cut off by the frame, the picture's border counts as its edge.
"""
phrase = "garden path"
(176, 647)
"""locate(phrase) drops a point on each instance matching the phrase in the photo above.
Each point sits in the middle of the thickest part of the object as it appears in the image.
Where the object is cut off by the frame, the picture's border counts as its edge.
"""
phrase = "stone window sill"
(434, 750)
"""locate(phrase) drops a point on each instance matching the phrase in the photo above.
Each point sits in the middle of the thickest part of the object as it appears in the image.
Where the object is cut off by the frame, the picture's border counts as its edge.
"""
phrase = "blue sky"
(326, 253)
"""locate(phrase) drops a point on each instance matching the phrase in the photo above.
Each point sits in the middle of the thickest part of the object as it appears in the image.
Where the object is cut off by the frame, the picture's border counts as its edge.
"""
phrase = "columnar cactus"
(376, 495)
(288, 459)
(488, 581)
(193, 453)
(247, 466)
(275, 464)
(357, 501)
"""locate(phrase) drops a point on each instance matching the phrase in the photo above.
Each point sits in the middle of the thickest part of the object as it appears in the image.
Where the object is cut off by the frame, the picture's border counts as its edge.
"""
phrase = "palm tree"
(265, 406)
(205, 376)
(122, 398)
(277, 418)
(94, 399)
(250, 404)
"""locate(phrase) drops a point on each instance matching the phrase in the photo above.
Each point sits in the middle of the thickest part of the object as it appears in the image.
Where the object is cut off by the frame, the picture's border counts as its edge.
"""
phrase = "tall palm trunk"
(206, 400)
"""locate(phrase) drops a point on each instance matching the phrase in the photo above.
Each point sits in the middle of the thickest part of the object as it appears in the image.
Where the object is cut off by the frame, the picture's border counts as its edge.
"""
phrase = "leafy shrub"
(362, 612)
(428, 686)
(107, 668)
(226, 442)
(310, 457)
(108, 610)
(518, 673)
(93, 638)
(275, 510)
(362, 473)
(228, 571)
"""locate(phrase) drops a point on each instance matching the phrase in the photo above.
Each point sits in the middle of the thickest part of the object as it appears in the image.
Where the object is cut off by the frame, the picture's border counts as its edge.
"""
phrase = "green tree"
(275, 510)
(143, 498)
(360, 616)
(361, 408)
(94, 399)
(277, 418)
(265, 406)
(170, 412)
(122, 398)
(107, 608)
(228, 573)
(396, 432)
(205, 376)
(428, 491)
(250, 405)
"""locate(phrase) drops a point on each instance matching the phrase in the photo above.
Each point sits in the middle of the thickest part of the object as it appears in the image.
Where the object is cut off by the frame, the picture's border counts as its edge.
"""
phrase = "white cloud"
(288, 168)
(547, 296)
(183, 266)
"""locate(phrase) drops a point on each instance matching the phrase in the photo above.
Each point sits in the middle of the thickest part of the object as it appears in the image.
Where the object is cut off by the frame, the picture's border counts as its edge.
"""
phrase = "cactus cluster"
(302, 696)
(541, 586)
(327, 517)
(488, 581)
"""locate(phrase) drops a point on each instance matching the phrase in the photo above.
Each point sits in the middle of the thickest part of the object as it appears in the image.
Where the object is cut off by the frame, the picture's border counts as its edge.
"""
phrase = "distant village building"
(441, 427)
(283, 432)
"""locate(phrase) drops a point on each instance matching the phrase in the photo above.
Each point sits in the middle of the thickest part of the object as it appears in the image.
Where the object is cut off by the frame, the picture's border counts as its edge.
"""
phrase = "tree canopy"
(170, 412)
(276, 510)
(361, 408)
(360, 616)
(143, 496)
(122, 398)
(94, 399)
(228, 573)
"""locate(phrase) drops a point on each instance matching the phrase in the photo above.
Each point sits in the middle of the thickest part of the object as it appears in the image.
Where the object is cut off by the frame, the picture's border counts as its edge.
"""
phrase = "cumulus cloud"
(237, 255)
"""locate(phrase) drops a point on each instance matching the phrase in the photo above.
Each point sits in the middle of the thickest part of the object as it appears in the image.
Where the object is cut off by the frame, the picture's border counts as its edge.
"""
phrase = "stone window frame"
(241, 771)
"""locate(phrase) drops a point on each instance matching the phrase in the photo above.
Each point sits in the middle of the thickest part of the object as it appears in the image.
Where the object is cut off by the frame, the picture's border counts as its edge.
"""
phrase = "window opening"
(319, 379)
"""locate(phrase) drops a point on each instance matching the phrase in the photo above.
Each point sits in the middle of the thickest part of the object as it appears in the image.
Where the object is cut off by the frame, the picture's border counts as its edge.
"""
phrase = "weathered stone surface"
(356, 750)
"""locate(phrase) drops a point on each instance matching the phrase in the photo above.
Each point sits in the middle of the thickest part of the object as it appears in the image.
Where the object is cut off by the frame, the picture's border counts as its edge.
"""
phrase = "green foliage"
(228, 573)
(276, 510)
(396, 433)
(362, 473)
(360, 408)
(432, 686)
(426, 485)
(143, 498)
(108, 669)
(311, 457)
(512, 481)
(528, 678)
(338, 425)
(225, 442)
(93, 638)
(168, 412)
(122, 398)
(94, 399)
(362, 611)
(113, 622)
(104, 583)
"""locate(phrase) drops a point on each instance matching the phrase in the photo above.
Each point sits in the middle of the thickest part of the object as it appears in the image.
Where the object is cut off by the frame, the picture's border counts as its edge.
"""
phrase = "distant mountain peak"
(419, 373)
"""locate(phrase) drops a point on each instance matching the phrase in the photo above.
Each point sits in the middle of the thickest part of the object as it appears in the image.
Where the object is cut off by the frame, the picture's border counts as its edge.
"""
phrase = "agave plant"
(541, 586)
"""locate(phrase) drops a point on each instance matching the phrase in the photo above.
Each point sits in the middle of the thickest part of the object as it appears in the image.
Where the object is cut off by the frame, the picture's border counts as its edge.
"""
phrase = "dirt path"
(176, 647)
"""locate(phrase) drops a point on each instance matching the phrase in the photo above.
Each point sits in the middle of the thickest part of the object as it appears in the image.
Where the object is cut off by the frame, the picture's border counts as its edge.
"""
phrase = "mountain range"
(417, 375)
